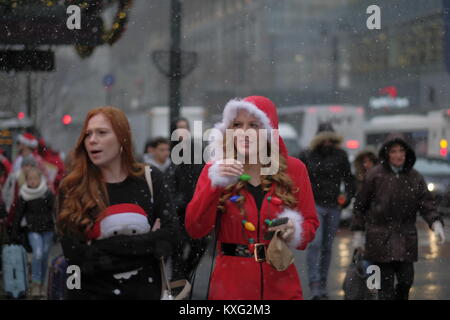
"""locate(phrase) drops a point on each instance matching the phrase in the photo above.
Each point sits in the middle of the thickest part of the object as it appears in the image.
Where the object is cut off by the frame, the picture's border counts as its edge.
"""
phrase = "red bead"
(276, 201)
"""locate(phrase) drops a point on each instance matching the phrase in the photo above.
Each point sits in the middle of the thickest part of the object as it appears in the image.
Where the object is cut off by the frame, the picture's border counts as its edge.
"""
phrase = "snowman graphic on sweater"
(121, 219)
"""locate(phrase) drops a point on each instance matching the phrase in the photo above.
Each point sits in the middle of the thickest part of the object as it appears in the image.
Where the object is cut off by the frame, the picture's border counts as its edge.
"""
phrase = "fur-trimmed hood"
(323, 136)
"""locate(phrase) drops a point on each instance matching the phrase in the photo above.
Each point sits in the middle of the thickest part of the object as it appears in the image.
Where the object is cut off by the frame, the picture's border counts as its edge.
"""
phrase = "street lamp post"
(175, 62)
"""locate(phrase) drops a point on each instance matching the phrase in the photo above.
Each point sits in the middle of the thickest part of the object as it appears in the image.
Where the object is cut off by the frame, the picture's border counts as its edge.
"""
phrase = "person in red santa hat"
(242, 191)
(27, 144)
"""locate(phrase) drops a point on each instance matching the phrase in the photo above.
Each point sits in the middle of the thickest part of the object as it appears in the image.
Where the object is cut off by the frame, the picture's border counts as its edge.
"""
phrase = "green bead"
(269, 198)
(245, 177)
(251, 240)
(244, 221)
(268, 221)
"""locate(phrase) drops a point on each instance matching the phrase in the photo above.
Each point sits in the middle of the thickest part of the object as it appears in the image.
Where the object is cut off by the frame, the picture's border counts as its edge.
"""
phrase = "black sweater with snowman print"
(103, 262)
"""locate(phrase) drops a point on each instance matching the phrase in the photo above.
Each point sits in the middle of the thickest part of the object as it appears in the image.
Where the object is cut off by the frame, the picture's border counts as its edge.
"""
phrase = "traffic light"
(21, 115)
(66, 119)
(443, 144)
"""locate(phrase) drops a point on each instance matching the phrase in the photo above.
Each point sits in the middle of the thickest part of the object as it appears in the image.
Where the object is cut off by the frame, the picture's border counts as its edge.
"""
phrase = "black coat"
(39, 214)
(100, 260)
(387, 207)
(327, 171)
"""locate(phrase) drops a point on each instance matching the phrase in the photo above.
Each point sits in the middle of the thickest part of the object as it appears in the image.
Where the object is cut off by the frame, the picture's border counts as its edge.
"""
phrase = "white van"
(290, 138)
(347, 120)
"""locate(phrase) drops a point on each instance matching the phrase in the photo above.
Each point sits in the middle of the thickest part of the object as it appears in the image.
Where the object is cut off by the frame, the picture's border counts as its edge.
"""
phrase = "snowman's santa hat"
(118, 215)
(28, 139)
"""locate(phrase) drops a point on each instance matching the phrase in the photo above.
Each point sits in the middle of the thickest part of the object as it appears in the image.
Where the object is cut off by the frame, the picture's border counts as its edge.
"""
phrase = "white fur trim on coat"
(217, 180)
(231, 110)
(297, 219)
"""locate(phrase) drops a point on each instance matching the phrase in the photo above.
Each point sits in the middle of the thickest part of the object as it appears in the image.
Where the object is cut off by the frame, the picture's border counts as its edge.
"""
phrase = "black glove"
(162, 248)
(137, 245)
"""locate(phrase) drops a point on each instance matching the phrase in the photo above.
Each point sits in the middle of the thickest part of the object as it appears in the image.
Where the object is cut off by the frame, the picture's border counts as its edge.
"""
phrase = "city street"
(432, 280)
(117, 117)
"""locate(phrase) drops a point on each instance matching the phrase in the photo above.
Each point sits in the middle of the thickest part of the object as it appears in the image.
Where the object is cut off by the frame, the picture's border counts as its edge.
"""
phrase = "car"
(436, 173)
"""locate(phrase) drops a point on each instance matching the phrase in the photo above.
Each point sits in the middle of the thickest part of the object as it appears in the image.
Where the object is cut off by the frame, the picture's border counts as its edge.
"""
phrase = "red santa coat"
(242, 277)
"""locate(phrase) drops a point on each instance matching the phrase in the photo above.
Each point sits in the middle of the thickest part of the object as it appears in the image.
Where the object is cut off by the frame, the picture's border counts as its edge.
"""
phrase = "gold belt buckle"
(260, 252)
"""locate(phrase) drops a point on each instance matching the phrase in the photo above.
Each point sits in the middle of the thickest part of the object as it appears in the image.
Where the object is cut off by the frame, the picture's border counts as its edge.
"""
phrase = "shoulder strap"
(148, 178)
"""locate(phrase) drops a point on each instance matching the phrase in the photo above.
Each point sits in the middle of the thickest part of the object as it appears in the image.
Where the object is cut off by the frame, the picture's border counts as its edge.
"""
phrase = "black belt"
(241, 250)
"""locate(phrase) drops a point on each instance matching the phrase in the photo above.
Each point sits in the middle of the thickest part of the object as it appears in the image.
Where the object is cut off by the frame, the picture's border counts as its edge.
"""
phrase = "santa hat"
(260, 107)
(119, 215)
(28, 139)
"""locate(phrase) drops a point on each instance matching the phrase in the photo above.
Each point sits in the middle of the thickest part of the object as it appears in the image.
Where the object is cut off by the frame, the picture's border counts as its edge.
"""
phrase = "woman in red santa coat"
(246, 196)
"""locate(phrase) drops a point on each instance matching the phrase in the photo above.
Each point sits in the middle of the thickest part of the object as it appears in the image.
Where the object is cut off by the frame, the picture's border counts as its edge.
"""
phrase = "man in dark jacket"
(184, 179)
(386, 209)
(328, 168)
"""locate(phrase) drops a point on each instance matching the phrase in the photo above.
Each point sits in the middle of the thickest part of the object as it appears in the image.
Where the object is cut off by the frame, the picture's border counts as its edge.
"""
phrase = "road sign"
(108, 80)
(37, 25)
(27, 60)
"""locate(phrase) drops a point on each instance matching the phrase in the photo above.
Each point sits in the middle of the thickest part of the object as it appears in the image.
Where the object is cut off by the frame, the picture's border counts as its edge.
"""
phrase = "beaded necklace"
(247, 225)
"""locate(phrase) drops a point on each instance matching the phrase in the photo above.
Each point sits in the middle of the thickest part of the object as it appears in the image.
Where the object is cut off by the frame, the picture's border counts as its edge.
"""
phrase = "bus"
(428, 134)
(347, 120)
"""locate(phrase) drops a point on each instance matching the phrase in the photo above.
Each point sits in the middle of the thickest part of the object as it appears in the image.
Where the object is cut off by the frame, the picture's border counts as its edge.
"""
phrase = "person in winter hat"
(28, 147)
(15, 181)
(27, 144)
(386, 211)
(104, 174)
(240, 192)
(35, 212)
(328, 167)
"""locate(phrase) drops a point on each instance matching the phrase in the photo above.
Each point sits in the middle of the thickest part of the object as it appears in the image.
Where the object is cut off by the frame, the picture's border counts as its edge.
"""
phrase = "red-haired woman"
(105, 178)
(249, 195)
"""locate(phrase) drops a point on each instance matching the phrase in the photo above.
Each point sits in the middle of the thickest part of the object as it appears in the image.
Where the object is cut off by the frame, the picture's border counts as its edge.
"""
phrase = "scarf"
(28, 193)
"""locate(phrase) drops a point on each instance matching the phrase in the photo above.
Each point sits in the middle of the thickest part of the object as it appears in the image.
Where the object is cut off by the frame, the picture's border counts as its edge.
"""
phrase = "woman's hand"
(231, 168)
(157, 225)
(286, 230)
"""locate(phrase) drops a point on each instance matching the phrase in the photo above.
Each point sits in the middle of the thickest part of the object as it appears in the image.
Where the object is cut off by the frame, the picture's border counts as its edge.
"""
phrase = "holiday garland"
(112, 35)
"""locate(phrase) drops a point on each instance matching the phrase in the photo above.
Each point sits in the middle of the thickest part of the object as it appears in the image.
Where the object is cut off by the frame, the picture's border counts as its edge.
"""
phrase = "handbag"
(278, 254)
(355, 286)
(169, 288)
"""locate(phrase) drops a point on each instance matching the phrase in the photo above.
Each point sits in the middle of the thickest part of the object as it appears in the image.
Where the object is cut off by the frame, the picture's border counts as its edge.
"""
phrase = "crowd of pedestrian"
(131, 226)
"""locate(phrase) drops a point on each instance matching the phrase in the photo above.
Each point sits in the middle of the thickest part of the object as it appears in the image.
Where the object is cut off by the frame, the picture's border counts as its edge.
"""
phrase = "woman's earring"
(121, 149)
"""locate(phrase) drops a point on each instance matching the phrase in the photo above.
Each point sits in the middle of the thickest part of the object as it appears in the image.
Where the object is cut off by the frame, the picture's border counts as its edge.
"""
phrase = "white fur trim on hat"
(217, 180)
(231, 110)
(28, 140)
(123, 223)
(297, 219)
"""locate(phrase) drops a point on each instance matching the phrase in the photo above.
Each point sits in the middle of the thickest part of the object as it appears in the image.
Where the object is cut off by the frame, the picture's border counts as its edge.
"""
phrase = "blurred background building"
(297, 52)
